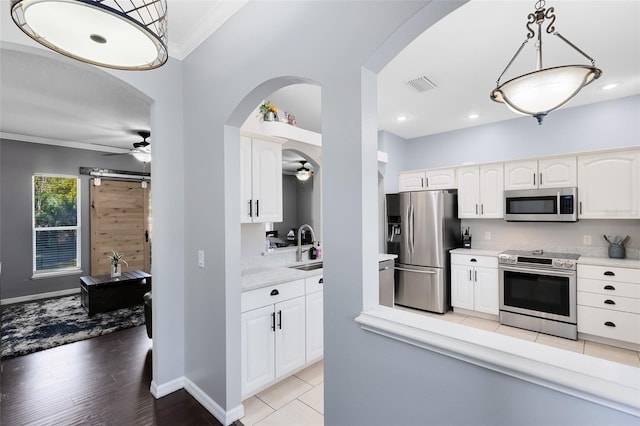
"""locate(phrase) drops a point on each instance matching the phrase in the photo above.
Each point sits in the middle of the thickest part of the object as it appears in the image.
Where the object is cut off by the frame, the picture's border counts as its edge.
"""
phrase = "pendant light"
(541, 91)
(303, 173)
(120, 34)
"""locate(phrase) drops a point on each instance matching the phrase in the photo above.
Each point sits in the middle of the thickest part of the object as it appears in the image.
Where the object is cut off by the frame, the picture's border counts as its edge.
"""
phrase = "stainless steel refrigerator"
(429, 228)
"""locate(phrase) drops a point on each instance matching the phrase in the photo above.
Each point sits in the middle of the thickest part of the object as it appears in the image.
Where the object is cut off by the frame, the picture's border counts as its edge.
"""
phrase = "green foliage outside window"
(55, 201)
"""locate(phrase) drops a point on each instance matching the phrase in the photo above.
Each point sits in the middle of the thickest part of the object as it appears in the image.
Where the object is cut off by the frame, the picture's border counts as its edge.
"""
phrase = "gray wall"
(603, 125)
(289, 206)
(19, 162)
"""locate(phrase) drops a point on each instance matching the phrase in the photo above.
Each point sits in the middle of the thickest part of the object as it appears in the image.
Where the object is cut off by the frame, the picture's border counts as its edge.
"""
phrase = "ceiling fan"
(303, 173)
(141, 150)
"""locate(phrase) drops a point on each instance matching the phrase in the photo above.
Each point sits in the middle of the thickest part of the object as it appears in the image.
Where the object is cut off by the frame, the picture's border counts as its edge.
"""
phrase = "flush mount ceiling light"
(539, 92)
(303, 173)
(120, 34)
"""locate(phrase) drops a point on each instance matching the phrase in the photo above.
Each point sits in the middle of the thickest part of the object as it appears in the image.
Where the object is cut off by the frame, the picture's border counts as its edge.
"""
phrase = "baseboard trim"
(224, 417)
(158, 391)
(39, 296)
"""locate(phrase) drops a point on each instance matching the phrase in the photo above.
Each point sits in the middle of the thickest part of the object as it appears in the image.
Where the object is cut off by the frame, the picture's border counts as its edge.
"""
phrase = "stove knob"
(568, 264)
(558, 263)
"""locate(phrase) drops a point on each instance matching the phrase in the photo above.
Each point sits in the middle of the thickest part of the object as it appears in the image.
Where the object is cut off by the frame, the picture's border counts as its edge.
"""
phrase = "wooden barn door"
(120, 220)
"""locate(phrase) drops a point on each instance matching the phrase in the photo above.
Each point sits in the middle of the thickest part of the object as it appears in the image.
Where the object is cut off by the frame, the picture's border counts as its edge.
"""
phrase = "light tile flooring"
(298, 400)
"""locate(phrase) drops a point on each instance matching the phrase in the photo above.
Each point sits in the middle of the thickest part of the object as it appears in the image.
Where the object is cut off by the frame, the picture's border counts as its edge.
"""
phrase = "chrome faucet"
(313, 238)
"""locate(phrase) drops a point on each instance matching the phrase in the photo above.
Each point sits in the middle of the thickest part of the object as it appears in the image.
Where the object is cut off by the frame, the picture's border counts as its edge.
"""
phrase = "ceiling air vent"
(422, 84)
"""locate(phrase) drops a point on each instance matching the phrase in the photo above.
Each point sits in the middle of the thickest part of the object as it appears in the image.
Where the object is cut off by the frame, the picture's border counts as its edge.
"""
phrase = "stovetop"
(539, 258)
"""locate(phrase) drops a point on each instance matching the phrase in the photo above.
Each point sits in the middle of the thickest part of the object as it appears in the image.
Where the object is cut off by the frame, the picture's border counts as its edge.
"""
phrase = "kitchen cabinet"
(609, 303)
(544, 173)
(480, 191)
(427, 180)
(260, 180)
(314, 318)
(609, 185)
(272, 334)
(474, 283)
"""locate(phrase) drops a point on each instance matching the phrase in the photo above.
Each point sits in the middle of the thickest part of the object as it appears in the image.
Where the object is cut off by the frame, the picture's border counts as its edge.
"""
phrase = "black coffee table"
(101, 293)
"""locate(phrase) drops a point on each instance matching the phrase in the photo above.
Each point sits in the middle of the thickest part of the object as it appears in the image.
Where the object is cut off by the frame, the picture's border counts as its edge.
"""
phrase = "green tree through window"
(56, 223)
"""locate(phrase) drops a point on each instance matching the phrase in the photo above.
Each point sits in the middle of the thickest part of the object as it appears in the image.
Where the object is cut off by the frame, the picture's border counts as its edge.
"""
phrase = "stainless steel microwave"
(541, 205)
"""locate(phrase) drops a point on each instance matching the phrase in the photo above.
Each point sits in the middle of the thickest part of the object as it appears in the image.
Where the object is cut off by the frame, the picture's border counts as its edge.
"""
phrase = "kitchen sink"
(308, 266)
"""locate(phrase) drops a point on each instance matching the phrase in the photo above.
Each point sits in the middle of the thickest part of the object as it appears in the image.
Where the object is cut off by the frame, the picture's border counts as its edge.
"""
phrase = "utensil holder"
(617, 251)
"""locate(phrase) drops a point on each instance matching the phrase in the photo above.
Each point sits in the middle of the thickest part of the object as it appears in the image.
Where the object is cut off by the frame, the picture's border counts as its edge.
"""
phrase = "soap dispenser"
(466, 238)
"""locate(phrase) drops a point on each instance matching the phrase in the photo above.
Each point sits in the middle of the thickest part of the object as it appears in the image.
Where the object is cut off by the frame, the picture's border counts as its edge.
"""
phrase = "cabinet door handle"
(475, 276)
(610, 274)
(540, 180)
(321, 281)
(609, 287)
(280, 320)
(481, 209)
(610, 324)
(469, 274)
(476, 209)
(257, 208)
(273, 321)
(274, 292)
(421, 182)
(534, 179)
(250, 208)
(580, 203)
(609, 302)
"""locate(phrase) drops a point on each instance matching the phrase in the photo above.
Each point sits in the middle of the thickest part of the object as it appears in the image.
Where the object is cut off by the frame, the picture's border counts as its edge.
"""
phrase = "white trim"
(56, 273)
(39, 296)
(62, 143)
(224, 417)
(158, 391)
(603, 382)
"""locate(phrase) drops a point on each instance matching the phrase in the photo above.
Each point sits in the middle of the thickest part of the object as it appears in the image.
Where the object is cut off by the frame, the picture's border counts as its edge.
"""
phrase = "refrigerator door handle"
(414, 270)
(412, 237)
(408, 228)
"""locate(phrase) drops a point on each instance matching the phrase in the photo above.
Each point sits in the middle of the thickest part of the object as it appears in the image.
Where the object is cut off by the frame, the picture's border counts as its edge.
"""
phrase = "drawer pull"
(473, 260)
(609, 302)
(610, 274)
(609, 287)
(275, 292)
(609, 324)
(321, 281)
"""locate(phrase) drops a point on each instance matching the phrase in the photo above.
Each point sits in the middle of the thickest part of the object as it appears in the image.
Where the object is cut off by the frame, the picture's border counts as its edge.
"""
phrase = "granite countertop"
(476, 252)
(606, 261)
(265, 275)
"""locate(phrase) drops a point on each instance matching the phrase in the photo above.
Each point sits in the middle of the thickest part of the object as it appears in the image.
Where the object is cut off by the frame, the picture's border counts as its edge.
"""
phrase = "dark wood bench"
(101, 293)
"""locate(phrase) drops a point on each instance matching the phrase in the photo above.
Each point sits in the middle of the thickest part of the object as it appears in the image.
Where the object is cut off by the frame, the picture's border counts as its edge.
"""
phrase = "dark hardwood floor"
(99, 381)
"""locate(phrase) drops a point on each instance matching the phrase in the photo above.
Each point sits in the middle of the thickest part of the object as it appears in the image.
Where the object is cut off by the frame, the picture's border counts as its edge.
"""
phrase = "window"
(56, 225)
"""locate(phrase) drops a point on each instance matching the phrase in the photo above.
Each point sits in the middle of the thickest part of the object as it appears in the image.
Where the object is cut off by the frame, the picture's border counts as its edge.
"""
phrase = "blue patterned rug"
(34, 326)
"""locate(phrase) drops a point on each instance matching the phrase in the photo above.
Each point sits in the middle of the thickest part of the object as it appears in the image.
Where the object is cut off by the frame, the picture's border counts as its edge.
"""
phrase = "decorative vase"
(116, 270)
(269, 116)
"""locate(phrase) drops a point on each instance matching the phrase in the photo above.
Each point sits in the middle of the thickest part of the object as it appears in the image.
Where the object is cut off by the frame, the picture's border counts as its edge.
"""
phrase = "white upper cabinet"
(480, 191)
(609, 185)
(545, 173)
(260, 180)
(426, 180)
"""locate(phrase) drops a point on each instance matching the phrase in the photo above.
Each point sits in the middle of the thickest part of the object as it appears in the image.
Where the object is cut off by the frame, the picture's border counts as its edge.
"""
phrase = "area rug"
(43, 324)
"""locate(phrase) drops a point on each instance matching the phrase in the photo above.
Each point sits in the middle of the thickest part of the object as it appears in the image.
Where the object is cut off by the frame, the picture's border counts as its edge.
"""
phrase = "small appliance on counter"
(466, 238)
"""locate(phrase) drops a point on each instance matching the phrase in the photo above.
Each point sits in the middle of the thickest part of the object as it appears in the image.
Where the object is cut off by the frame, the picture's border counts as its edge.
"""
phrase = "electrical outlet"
(487, 235)
(201, 258)
(586, 240)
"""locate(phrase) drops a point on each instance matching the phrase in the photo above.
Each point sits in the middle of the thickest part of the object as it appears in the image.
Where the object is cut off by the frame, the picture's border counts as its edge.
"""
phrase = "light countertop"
(476, 252)
(383, 256)
(606, 261)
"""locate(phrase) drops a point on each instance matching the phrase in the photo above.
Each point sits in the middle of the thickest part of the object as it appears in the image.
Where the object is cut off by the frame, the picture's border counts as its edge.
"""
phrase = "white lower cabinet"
(281, 332)
(474, 283)
(609, 303)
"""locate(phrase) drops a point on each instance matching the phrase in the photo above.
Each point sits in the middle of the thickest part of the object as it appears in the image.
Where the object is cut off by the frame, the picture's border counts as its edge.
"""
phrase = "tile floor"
(299, 400)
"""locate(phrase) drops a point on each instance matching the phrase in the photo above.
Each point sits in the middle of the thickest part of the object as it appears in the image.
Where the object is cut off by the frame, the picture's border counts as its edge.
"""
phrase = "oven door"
(549, 294)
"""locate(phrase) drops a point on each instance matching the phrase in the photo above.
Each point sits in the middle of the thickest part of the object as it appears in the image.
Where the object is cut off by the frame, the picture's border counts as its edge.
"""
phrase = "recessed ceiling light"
(609, 86)
(473, 116)
(401, 118)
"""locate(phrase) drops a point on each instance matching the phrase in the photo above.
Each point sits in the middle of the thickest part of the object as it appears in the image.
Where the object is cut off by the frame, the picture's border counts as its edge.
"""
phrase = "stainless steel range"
(538, 291)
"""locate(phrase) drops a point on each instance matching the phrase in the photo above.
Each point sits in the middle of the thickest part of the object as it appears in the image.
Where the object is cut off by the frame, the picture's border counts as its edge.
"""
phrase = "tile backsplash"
(497, 234)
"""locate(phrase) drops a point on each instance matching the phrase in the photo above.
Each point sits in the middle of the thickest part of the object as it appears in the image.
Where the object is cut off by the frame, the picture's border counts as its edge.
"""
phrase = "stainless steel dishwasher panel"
(386, 283)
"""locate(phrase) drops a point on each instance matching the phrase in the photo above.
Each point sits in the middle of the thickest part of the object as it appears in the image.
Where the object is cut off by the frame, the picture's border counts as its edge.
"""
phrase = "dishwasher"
(387, 282)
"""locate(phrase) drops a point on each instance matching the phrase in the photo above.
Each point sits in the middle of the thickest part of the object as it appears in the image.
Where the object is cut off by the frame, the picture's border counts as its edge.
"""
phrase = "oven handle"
(553, 272)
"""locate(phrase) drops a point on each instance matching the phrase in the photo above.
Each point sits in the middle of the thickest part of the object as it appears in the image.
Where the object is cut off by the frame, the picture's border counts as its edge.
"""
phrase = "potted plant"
(268, 111)
(116, 259)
